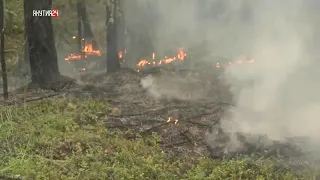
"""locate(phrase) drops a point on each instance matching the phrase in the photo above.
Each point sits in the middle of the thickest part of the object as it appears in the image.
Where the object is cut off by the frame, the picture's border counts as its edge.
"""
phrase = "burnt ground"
(196, 99)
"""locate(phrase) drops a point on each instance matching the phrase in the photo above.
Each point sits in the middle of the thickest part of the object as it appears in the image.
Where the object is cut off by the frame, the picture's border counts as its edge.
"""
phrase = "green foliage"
(65, 27)
(14, 17)
(64, 139)
(14, 31)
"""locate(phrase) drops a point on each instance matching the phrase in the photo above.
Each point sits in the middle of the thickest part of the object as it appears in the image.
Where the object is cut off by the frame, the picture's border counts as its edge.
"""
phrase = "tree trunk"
(42, 51)
(121, 27)
(26, 44)
(113, 63)
(87, 31)
(2, 56)
(80, 36)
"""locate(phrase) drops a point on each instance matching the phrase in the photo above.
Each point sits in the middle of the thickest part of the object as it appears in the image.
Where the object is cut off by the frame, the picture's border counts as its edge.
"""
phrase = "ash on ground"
(184, 107)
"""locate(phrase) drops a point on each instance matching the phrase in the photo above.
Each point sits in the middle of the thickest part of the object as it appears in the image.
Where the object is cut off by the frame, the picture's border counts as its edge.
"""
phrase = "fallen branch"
(30, 100)
(197, 123)
(186, 120)
(153, 128)
(190, 119)
(161, 110)
(122, 126)
(132, 125)
(183, 120)
(176, 144)
(150, 111)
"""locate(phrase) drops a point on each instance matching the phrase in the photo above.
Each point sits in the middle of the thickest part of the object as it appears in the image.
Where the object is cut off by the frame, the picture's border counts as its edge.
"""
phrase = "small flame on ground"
(170, 119)
(120, 54)
(181, 57)
(166, 60)
(88, 50)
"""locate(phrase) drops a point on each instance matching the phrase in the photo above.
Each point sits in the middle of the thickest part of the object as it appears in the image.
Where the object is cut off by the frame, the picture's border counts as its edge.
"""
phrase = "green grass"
(63, 139)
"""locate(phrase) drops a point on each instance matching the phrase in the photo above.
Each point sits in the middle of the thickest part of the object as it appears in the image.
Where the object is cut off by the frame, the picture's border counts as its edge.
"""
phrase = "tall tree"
(87, 31)
(121, 26)
(42, 51)
(113, 63)
(79, 17)
(26, 44)
(2, 55)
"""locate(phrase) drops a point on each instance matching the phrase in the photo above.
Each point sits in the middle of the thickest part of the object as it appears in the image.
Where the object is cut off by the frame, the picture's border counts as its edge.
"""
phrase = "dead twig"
(153, 128)
(197, 123)
(176, 144)
(183, 120)
(157, 111)
(150, 111)
(186, 120)
(31, 100)
(133, 125)
(122, 126)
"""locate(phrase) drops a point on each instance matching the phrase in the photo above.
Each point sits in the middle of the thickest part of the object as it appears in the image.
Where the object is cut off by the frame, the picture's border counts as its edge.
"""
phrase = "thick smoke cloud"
(278, 95)
(280, 100)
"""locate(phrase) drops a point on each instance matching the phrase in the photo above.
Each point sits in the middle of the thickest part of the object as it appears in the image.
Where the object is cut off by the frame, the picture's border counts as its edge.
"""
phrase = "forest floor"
(113, 127)
(116, 126)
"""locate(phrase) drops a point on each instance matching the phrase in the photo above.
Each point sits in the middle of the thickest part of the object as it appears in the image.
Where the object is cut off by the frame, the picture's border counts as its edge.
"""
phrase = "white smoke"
(278, 94)
(271, 104)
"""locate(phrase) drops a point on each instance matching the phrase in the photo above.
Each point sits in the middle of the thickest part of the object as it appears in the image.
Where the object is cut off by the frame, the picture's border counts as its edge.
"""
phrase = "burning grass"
(181, 55)
(64, 139)
(86, 51)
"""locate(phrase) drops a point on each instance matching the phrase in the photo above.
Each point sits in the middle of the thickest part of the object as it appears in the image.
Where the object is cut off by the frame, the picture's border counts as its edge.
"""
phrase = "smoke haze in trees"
(282, 98)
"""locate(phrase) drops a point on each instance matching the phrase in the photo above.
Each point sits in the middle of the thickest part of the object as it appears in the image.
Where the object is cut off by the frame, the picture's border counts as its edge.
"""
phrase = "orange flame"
(170, 119)
(120, 54)
(87, 51)
(166, 60)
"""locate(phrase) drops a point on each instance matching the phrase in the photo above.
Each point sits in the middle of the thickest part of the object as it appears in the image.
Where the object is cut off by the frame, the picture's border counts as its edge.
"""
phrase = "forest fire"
(121, 55)
(87, 51)
(171, 120)
(181, 55)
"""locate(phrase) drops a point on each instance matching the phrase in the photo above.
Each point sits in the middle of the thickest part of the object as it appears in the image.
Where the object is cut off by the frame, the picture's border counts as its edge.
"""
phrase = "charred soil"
(183, 108)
